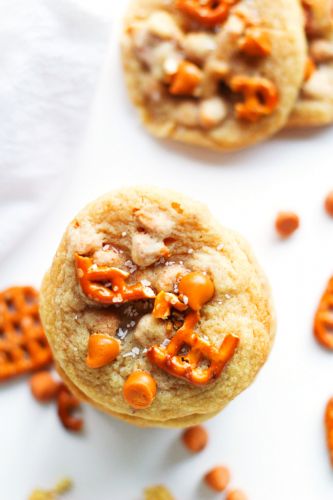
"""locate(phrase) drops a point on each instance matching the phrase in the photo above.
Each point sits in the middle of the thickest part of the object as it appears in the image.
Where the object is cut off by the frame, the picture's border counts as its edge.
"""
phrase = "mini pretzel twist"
(207, 12)
(67, 403)
(323, 322)
(93, 281)
(329, 428)
(260, 97)
(23, 345)
(187, 365)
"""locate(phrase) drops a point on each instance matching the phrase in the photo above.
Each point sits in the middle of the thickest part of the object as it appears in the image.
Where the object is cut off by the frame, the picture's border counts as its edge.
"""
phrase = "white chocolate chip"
(146, 250)
(320, 85)
(212, 112)
(198, 46)
(187, 114)
(149, 331)
(162, 25)
(321, 51)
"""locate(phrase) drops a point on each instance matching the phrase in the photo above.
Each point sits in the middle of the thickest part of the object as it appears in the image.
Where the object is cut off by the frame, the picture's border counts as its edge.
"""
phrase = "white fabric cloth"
(51, 54)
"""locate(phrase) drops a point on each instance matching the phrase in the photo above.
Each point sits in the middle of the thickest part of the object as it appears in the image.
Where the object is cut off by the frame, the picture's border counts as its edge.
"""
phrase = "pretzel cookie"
(220, 74)
(155, 313)
(314, 106)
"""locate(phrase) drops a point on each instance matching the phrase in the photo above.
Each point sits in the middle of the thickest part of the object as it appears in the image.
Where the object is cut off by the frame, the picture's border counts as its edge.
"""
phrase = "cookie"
(314, 106)
(155, 313)
(222, 75)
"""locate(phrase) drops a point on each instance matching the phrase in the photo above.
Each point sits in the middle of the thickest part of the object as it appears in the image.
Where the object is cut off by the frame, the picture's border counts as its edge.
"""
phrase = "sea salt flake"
(220, 247)
(185, 299)
(190, 250)
(124, 234)
(145, 282)
(165, 342)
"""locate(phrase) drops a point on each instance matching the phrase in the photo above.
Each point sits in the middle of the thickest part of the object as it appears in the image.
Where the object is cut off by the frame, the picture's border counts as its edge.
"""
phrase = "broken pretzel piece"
(260, 97)
(323, 322)
(207, 12)
(93, 280)
(187, 365)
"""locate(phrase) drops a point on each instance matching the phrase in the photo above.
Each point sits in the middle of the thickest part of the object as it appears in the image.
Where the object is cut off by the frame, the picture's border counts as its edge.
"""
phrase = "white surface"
(271, 436)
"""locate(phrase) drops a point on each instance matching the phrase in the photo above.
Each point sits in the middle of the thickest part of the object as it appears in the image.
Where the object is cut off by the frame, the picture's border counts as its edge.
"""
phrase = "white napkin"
(51, 53)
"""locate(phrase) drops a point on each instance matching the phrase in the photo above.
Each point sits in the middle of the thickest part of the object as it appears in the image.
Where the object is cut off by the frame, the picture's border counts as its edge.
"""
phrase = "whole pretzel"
(323, 322)
(209, 12)
(67, 403)
(260, 97)
(329, 428)
(93, 281)
(187, 365)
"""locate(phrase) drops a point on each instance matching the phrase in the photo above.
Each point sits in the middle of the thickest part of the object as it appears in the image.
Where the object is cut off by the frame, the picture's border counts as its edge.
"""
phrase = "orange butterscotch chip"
(256, 42)
(218, 478)
(43, 387)
(286, 223)
(163, 304)
(102, 350)
(186, 80)
(187, 365)
(329, 428)
(23, 345)
(208, 12)
(236, 495)
(195, 438)
(323, 322)
(198, 288)
(93, 281)
(140, 390)
(260, 97)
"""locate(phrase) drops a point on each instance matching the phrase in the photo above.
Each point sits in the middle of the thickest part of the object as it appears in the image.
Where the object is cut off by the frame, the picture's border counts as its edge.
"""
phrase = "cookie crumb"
(158, 492)
(286, 223)
(63, 486)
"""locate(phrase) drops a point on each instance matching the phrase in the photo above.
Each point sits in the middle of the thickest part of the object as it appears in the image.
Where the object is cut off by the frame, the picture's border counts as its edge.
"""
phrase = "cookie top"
(218, 74)
(180, 269)
(314, 106)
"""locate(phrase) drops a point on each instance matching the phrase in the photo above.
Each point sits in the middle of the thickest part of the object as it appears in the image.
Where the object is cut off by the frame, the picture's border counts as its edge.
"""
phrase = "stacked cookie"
(227, 74)
(155, 313)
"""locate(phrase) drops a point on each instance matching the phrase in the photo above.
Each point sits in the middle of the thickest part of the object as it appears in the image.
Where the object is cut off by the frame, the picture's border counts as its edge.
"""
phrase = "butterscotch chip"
(43, 387)
(195, 438)
(329, 204)
(218, 478)
(236, 495)
(286, 223)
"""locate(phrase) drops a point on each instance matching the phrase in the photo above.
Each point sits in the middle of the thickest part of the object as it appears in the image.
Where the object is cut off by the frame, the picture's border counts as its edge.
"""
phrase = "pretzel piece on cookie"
(187, 365)
(207, 12)
(23, 345)
(260, 97)
(323, 322)
(93, 281)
